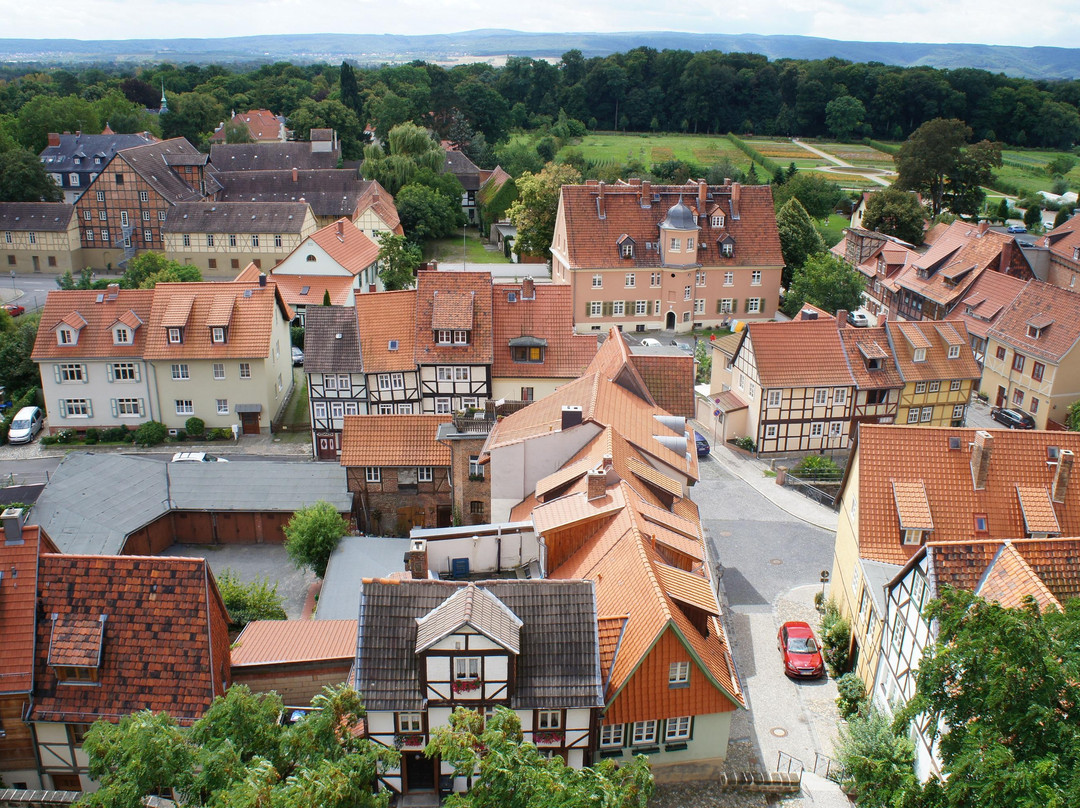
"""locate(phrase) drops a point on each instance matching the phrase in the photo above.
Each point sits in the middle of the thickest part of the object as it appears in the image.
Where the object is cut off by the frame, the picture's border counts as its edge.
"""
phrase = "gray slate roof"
(62, 158)
(467, 172)
(559, 663)
(270, 157)
(152, 162)
(236, 217)
(93, 502)
(330, 192)
(356, 558)
(37, 216)
(472, 606)
(324, 352)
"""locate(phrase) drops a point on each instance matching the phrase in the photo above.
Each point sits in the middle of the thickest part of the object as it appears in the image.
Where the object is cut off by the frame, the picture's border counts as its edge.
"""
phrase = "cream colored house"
(39, 237)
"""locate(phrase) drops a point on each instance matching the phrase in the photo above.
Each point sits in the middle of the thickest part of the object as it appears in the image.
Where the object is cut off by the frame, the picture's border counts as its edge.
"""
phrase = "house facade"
(337, 384)
(982, 306)
(387, 323)
(939, 370)
(676, 257)
(880, 259)
(1064, 245)
(74, 160)
(39, 237)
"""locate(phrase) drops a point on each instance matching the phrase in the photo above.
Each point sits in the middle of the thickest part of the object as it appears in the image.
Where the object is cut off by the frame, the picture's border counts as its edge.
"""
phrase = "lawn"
(296, 417)
(705, 150)
(857, 154)
(833, 230)
(450, 249)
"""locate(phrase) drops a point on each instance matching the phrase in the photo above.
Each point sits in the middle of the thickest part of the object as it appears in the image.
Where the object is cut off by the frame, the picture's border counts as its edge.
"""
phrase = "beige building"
(39, 237)
(938, 368)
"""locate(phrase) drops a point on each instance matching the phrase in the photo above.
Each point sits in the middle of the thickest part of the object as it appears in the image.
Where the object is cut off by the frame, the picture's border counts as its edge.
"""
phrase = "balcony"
(479, 421)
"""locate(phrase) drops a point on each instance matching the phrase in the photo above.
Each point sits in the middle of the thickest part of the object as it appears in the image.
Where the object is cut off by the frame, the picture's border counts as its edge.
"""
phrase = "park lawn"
(450, 249)
(833, 230)
(615, 147)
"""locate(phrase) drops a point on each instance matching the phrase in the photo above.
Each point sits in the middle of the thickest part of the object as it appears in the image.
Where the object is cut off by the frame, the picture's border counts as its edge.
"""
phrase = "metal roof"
(355, 558)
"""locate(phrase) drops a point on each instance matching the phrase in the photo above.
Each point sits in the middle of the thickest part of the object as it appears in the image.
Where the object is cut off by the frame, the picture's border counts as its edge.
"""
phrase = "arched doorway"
(669, 323)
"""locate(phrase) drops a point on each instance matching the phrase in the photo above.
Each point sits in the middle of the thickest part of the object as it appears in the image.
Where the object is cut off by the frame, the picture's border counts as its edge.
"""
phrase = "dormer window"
(121, 336)
(75, 646)
(528, 354)
(954, 352)
(676, 245)
(1034, 332)
(466, 669)
(444, 337)
(874, 363)
(217, 333)
(176, 336)
(65, 336)
(628, 249)
(461, 337)
(920, 355)
(914, 536)
(718, 220)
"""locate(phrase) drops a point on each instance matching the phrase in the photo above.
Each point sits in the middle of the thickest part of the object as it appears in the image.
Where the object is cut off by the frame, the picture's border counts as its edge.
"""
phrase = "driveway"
(771, 561)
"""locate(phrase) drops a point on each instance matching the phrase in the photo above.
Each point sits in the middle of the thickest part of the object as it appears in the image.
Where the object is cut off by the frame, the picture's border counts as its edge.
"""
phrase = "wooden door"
(419, 772)
(249, 422)
(1001, 395)
(327, 445)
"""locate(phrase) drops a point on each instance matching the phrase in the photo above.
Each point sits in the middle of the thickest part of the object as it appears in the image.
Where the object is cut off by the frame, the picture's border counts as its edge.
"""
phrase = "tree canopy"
(427, 213)
(938, 162)
(827, 282)
(895, 213)
(312, 534)
(799, 239)
(409, 149)
(23, 179)
(818, 195)
(398, 261)
(534, 210)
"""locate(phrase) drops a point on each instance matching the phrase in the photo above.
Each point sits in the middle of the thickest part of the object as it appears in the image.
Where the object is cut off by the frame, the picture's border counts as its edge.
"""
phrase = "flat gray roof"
(356, 558)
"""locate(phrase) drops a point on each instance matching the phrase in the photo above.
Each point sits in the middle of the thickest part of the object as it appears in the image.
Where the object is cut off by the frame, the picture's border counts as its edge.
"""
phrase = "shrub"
(746, 444)
(835, 639)
(296, 336)
(851, 692)
(48, 440)
(92, 436)
(312, 534)
(224, 433)
(116, 434)
(819, 466)
(151, 433)
(877, 759)
(258, 600)
(195, 427)
(65, 436)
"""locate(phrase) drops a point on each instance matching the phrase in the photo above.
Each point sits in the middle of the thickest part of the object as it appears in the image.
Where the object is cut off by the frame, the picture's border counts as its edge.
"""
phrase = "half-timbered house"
(387, 323)
(335, 371)
(939, 371)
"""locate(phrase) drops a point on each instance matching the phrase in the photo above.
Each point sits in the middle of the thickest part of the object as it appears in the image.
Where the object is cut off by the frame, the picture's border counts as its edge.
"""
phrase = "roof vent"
(392, 345)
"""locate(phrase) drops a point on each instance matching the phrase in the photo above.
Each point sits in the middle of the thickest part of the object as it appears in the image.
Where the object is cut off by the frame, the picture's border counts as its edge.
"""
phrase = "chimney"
(808, 314)
(702, 196)
(597, 485)
(112, 291)
(600, 209)
(54, 138)
(528, 288)
(841, 318)
(646, 194)
(983, 226)
(1006, 256)
(416, 561)
(341, 229)
(1061, 476)
(295, 174)
(981, 450)
(13, 519)
(262, 279)
(571, 416)
(736, 190)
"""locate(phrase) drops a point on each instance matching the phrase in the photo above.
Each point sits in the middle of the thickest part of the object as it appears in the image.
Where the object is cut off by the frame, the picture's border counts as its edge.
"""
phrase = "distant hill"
(1036, 63)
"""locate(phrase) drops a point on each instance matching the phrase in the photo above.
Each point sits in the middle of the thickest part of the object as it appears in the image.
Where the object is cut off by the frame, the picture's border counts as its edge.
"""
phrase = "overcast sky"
(995, 22)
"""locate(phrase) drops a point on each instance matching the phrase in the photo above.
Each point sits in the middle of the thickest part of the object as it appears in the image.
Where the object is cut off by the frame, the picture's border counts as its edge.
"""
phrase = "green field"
(705, 150)
(451, 249)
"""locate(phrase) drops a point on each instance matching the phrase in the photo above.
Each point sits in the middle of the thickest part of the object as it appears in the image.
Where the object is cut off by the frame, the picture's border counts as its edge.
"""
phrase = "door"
(443, 516)
(669, 323)
(1002, 393)
(419, 772)
(37, 264)
(249, 422)
(327, 445)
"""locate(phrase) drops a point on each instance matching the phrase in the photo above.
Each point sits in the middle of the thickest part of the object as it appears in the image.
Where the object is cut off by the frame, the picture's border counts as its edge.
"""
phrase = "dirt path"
(836, 161)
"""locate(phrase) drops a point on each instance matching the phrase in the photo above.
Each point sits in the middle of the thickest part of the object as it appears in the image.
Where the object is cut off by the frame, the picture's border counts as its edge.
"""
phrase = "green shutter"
(140, 405)
(89, 408)
(138, 373)
(109, 373)
(85, 374)
(746, 305)
(588, 309)
(56, 373)
(63, 408)
(606, 309)
(734, 305)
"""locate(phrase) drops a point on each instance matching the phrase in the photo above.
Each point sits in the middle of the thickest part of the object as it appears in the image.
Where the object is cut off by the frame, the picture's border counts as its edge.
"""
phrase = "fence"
(820, 489)
(829, 768)
(789, 764)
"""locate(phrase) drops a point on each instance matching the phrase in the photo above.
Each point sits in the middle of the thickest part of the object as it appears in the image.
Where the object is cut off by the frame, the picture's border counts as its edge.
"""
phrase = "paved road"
(40, 465)
(28, 291)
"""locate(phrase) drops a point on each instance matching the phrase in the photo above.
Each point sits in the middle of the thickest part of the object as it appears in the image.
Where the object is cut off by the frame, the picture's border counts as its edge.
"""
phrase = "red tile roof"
(165, 641)
(547, 316)
(393, 440)
(346, 244)
(1052, 309)
(1009, 580)
(864, 344)
(385, 318)
(453, 300)
(292, 289)
(96, 336)
(381, 201)
(266, 642)
(798, 353)
(18, 595)
(1064, 242)
(935, 338)
(670, 379)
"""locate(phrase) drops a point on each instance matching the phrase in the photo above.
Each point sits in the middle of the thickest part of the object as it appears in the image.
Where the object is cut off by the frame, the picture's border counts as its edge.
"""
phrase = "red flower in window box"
(409, 741)
(465, 685)
(549, 738)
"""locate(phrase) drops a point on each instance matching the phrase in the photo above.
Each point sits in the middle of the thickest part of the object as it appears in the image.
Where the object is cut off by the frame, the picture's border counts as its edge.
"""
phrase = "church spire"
(164, 103)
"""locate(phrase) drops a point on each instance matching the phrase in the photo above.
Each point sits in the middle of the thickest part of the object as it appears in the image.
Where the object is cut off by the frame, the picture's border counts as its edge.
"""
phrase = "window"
(836, 429)
(1033, 406)
(690, 244)
(219, 370)
(618, 308)
(176, 336)
(913, 415)
(611, 735)
(770, 431)
(821, 396)
(410, 722)
(397, 381)
(127, 407)
(631, 280)
(222, 406)
(277, 241)
(373, 474)
(688, 292)
(320, 409)
(442, 406)
(980, 522)
(161, 215)
(144, 196)
(245, 370)
(1037, 369)
(641, 307)
(466, 668)
(337, 409)
(527, 393)
(920, 387)
(352, 408)
(676, 245)
(148, 235)
(954, 352)
(954, 386)
(87, 215)
(644, 732)
(146, 215)
(103, 215)
(686, 316)
(386, 409)
(75, 408)
(105, 235)
(72, 373)
(699, 306)
(549, 719)
(180, 372)
(958, 411)
(217, 334)
(927, 414)
(774, 398)
(627, 250)
(125, 372)
(727, 305)
(598, 281)
(840, 396)
(184, 406)
(817, 430)
(121, 336)
(476, 471)
(913, 537)
(1018, 362)
(444, 337)
(1018, 398)
(654, 279)
(727, 249)
(476, 507)
(920, 355)
(755, 278)
(74, 178)
(209, 239)
(100, 196)
(89, 236)
(718, 220)
(65, 336)
(934, 387)
(123, 218)
(186, 240)
(678, 674)
(461, 337)
(255, 240)
(753, 305)
(596, 308)
(444, 374)
(424, 474)
(678, 729)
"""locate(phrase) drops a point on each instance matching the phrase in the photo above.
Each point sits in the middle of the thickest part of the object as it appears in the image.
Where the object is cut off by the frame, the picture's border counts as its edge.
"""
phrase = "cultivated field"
(705, 150)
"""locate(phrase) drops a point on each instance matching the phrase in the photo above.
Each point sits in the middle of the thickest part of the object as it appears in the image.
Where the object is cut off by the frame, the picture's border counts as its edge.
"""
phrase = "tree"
(1004, 683)
(312, 534)
(827, 282)
(1061, 217)
(428, 214)
(145, 270)
(326, 297)
(193, 116)
(844, 116)
(181, 273)
(534, 211)
(410, 149)
(329, 114)
(258, 600)
(519, 155)
(895, 213)
(398, 261)
(350, 91)
(799, 239)
(818, 195)
(23, 179)
(238, 132)
(509, 773)
(18, 372)
(1072, 417)
(878, 761)
(936, 161)
(1033, 217)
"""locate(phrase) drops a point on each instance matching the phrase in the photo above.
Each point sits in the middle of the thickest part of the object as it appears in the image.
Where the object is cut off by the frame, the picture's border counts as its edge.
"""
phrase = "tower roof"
(679, 217)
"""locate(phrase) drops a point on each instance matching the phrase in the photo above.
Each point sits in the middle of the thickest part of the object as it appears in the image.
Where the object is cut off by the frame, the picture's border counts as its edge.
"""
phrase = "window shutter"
(109, 374)
(588, 308)
(649, 308)
(85, 374)
(607, 308)
(114, 406)
(138, 373)
(719, 306)
(89, 408)
(63, 408)
(56, 373)
(735, 305)
(746, 305)
(140, 401)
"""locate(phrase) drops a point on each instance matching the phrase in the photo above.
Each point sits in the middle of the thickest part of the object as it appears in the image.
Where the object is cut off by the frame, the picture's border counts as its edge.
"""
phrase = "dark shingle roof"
(330, 192)
(324, 352)
(559, 663)
(236, 217)
(270, 157)
(153, 163)
(37, 216)
(62, 158)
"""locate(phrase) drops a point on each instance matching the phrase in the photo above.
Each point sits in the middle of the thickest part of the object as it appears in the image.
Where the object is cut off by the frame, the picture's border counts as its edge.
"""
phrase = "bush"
(835, 639)
(258, 600)
(224, 433)
(746, 444)
(195, 427)
(152, 433)
(180, 436)
(296, 336)
(877, 759)
(312, 534)
(92, 436)
(851, 692)
(818, 466)
(116, 434)
(66, 436)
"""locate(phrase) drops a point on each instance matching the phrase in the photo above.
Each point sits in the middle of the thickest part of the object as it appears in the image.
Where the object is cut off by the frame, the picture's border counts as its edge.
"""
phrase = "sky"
(993, 22)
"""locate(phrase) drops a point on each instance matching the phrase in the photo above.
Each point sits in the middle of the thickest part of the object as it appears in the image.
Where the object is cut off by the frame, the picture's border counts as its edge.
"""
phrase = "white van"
(25, 425)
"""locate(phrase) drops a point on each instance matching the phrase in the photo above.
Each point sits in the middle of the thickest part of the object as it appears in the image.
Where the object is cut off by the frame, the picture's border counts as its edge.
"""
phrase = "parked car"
(800, 650)
(297, 356)
(14, 309)
(649, 342)
(702, 444)
(683, 346)
(197, 457)
(859, 319)
(1016, 228)
(25, 425)
(1013, 419)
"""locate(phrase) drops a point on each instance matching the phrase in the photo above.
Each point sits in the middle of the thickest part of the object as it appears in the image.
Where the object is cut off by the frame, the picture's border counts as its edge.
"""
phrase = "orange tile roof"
(1064, 241)
(654, 476)
(95, 337)
(249, 274)
(381, 201)
(575, 508)
(383, 317)
(193, 305)
(453, 300)
(1037, 509)
(292, 289)
(547, 316)
(687, 588)
(393, 440)
(912, 508)
(452, 310)
(985, 299)
(609, 632)
(613, 363)
(798, 353)
(863, 344)
(1009, 580)
(670, 380)
(346, 244)
(18, 596)
(935, 338)
(592, 241)
(887, 454)
(1040, 304)
(269, 642)
(165, 643)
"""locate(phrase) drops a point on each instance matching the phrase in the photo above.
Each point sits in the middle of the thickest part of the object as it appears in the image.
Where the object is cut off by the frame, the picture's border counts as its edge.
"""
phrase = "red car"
(800, 649)
(14, 309)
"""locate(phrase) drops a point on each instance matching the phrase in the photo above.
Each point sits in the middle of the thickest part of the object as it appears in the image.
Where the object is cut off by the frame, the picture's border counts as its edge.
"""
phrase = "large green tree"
(18, 372)
(426, 213)
(151, 268)
(398, 261)
(827, 282)
(23, 179)
(329, 114)
(312, 534)
(193, 116)
(507, 772)
(844, 116)
(409, 150)
(817, 194)
(799, 239)
(877, 759)
(895, 213)
(938, 162)
(535, 209)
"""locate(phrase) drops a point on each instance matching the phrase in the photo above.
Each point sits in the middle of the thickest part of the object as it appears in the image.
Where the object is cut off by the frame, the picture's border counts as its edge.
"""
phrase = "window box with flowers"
(465, 685)
(409, 741)
(549, 738)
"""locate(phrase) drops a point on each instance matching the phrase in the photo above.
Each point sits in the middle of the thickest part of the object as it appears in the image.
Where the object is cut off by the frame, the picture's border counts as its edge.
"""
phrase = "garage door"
(235, 528)
(193, 528)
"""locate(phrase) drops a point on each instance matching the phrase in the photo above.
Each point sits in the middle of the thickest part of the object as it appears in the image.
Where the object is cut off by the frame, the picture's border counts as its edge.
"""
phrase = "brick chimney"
(295, 174)
(984, 226)
(601, 209)
(13, 519)
(841, 318)
(597, 484)
(736, 190)
(416, 560)
(1006, 256)
(528, 289)
(54, 138)
(262, 279)
(702, 197)
(646, 194)
(1061, 475)
(981, 450)
(341, 229)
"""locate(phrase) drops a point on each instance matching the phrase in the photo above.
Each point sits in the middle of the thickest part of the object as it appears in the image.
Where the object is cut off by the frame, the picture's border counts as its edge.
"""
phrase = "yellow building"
(938, 368)
(39, 237)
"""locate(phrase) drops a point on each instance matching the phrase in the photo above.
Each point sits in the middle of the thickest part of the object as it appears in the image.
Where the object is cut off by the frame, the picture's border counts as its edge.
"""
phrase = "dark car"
(1013, 419)
(14, 309)
(800, 649)
(702, 444)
